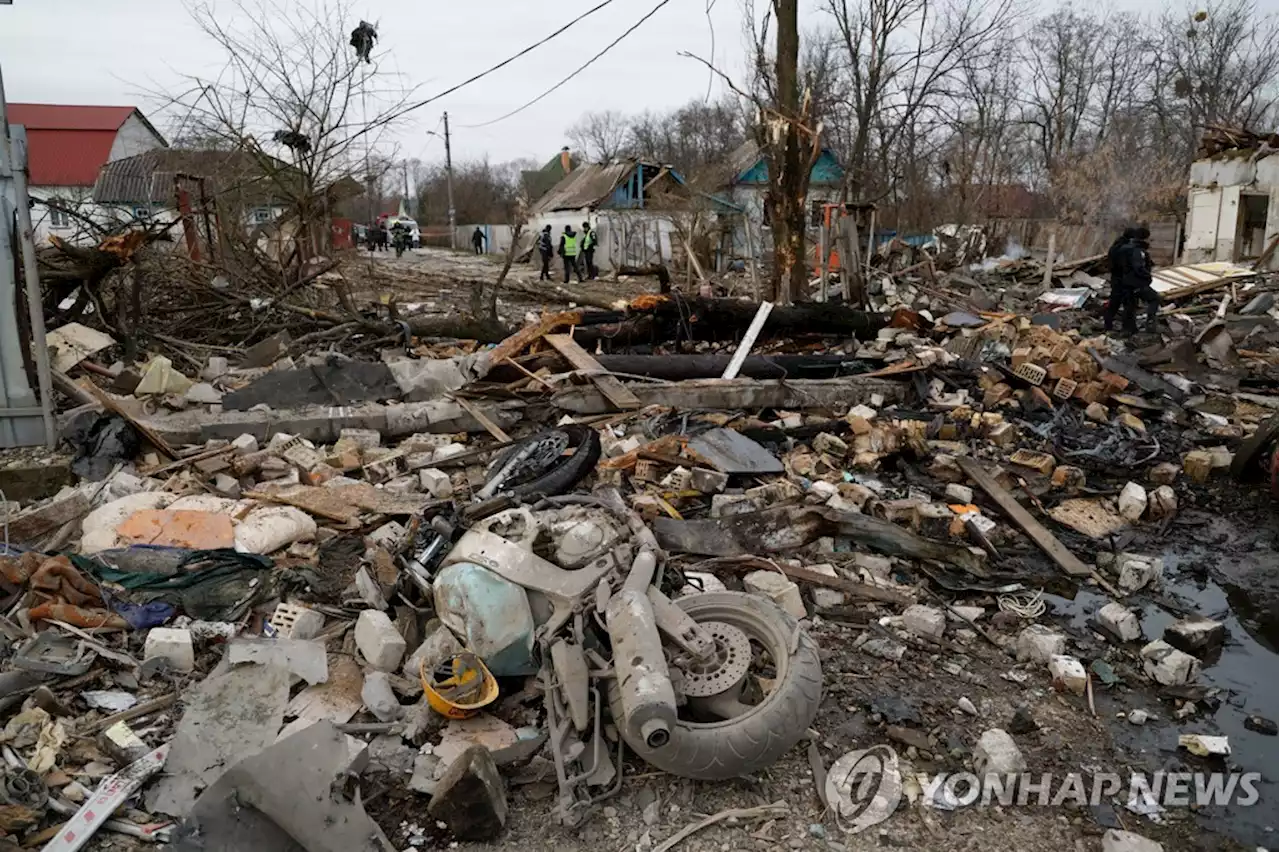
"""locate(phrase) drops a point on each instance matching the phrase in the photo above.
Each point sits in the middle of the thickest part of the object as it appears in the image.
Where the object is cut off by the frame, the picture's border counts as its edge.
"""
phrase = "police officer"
(589, 251)
(545, 249)
(569, 251)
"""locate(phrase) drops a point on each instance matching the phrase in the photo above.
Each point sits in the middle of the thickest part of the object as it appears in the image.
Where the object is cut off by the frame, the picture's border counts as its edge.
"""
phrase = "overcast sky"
(115, 51)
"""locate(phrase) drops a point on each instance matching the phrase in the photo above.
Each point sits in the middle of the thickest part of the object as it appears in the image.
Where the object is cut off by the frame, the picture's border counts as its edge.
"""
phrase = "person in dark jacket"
(589, 251)
(1131, 282)
(545, 250)
(1114, 255)
(569, 251)
(477, 240)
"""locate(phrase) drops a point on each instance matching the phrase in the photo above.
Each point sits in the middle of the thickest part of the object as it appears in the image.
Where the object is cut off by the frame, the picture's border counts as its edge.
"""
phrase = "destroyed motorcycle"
(576, 590)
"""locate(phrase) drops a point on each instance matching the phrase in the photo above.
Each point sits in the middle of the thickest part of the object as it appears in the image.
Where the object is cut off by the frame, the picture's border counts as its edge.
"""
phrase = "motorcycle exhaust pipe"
(648, 698)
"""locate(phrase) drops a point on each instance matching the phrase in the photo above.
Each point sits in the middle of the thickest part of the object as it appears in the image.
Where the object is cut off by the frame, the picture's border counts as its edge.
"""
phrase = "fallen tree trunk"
(734, 394)
(680, 367)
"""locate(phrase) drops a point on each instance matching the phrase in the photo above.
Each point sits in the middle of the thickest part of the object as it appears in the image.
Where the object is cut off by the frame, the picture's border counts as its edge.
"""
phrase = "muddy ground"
(1220, 564)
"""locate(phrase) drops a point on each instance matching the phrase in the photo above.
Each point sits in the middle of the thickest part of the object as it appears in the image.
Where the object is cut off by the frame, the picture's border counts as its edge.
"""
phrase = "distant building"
(744, 184)
(538, 182)
(66, 148)
(630, 203)
(218, 189)
(1233, 204)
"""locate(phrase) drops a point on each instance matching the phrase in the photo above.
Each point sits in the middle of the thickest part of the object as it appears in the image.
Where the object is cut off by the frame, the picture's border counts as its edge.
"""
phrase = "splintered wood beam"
(608, 385)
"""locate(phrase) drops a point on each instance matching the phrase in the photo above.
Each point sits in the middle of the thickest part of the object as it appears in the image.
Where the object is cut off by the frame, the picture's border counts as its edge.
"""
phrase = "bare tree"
(600, 136)
(1214, 65)
(899, 58)
(296, 98)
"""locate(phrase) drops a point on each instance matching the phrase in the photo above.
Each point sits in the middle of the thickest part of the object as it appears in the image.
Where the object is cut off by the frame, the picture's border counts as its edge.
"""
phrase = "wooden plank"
(480, 417)
(612, 389)
(1044, 539)
(748, 341)
(516, 343)
(1268, 253)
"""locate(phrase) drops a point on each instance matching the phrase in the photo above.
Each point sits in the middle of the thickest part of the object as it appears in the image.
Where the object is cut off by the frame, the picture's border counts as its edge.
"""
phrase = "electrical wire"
(539, 43)
(576, 71)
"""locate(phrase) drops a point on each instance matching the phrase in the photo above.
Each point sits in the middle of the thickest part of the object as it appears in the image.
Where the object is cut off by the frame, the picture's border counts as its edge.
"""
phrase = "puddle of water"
(1246, 670)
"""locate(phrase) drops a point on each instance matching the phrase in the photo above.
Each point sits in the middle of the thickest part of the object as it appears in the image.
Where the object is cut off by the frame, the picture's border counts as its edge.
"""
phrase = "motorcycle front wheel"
(784, 656)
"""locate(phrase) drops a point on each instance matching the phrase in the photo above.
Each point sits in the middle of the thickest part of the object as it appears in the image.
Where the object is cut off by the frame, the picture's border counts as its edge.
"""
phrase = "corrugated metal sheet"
(68, 144)
(68, 117)
(148, 177)
(585, 186)
(68, 157)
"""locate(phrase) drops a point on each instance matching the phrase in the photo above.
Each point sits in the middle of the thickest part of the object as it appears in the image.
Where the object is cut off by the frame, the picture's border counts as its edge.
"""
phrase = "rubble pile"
(460, 573)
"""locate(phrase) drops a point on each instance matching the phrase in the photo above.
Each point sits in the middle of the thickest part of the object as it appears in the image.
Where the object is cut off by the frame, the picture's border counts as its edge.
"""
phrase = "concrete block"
(172, 644)
(1166, 665)
(1120, 622)
(365, 439)
(866, 412)
(448, 451)
(997, 754)
(292, 621)
(417, 461)
(436, 483)
(1139, 572)
(679, 479)
(389, 537)
(924, 621)
(1162, 502)
(824, 598)
(216, 367)
(1197, 465)
(203, 393)
(1115, 840)
(822, 489)
(1195, 635)
(1132, 501)
(879, 567)
(470, 798)
(1003, 434)
(439, 646)
(1068, 674)
(828, 443)
(973, 613)
(708, 481)
(403, 485)
(777, 588)
(227, 486)
(1165, 473)
(1038, 643)
(958, 493)
(379, 642)
(1097, 412)
(724, 505)
(379, 698)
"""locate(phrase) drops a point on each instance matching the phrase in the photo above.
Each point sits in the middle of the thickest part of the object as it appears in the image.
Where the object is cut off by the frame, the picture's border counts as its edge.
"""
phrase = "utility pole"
(404, 169)
(448, 175)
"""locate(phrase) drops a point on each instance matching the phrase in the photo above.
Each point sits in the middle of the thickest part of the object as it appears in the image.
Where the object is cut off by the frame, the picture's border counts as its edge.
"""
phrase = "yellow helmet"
(459, 688)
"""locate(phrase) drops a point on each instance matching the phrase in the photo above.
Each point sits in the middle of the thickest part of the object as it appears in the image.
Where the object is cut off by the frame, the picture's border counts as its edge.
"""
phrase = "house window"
(260, 216)
(59, 218)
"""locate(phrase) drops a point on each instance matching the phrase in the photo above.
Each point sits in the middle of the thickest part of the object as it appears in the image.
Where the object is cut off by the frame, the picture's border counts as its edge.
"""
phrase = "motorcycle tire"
(560, 477)
(757, 739)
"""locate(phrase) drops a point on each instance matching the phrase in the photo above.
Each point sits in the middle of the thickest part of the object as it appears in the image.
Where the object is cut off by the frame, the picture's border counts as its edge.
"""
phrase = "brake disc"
(733, 659)
(534, 458)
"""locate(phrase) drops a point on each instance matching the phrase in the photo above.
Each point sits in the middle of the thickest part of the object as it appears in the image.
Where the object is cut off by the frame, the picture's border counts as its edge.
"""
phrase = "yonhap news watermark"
(864, 788)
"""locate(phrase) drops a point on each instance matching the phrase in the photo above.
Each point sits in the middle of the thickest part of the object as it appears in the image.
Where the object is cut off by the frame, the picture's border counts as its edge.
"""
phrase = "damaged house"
(630, 203)
(1233, 205)
(211, 196)
(743, 188)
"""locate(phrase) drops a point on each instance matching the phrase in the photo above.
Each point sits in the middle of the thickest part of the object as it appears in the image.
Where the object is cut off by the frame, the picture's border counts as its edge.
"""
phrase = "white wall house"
(66, 147)
(1233, 207)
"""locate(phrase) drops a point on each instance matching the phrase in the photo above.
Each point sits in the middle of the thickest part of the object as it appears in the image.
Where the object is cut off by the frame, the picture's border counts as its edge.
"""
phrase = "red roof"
(67, 145)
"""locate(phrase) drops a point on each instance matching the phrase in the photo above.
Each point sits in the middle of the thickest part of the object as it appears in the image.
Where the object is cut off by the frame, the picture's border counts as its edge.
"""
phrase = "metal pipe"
(35, 304)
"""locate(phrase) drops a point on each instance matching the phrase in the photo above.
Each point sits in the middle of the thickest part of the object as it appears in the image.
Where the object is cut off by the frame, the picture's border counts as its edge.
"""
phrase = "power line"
(487, 71)
(577, 70)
